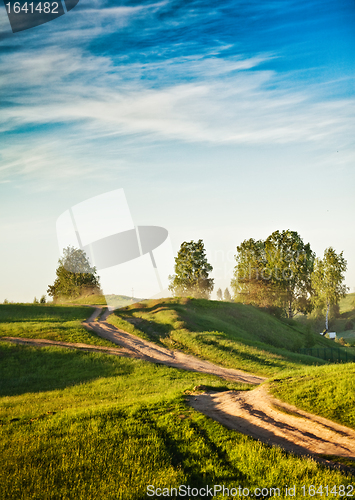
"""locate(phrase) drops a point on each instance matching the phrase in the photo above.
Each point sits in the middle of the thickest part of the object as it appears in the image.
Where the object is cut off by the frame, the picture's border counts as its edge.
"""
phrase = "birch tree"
(328, 281)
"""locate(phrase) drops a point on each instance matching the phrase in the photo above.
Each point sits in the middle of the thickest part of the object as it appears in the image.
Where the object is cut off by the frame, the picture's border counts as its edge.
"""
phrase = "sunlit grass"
(227, 334)
(52, 322)
(79, 425)
(328, 391)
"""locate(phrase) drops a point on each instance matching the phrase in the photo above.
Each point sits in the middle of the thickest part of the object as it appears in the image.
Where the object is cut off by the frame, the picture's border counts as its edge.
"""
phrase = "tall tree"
(328, 280)
(250, 283)
(75, 276)
(192, 271)
(275, 272)
(227, 296)
(290, 264)
(219, 294)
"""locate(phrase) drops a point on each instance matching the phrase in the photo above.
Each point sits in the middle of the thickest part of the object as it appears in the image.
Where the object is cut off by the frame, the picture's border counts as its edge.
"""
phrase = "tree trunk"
(326, 317)
(290, 312)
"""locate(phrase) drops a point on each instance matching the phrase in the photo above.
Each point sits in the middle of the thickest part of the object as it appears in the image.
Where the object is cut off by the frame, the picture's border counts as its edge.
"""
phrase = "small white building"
(332, 335)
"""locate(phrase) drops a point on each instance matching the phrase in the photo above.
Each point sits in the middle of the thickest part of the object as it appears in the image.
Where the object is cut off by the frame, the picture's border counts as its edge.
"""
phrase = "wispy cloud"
(191, 92)
(227, 100)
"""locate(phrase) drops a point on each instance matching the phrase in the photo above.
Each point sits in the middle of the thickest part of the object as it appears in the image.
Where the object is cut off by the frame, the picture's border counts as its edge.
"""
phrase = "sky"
(222, 121)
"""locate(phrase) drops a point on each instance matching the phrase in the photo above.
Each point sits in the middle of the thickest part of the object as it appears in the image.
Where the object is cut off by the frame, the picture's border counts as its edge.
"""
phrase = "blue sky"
(221, 121)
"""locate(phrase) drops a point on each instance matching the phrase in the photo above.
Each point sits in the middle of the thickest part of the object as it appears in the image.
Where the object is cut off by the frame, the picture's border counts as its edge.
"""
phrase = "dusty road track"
(69, 345)
(151, 352)
(257, 414)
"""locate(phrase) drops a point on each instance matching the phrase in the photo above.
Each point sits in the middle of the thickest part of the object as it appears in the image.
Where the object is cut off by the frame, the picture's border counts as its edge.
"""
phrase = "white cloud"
(232, 105)
(198, 98)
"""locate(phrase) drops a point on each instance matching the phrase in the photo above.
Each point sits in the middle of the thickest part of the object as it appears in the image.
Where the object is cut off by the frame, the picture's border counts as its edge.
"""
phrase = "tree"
(290, 264)
(275, 273)
(191, 272)
(250, 284)
(75, 276)
(219, 294)
(227, 295)
(327, 281)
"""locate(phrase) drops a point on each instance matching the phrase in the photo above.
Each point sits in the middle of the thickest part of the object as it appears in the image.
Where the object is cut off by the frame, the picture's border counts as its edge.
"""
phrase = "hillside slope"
(233, 335)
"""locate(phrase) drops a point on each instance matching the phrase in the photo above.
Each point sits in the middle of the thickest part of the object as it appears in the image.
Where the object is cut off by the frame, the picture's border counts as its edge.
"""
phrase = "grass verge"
(81, 425)
(328, 391)
(52, 322)
(231, 335)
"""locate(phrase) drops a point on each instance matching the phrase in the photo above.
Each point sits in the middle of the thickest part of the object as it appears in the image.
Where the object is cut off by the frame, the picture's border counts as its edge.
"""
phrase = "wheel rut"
(255, 413)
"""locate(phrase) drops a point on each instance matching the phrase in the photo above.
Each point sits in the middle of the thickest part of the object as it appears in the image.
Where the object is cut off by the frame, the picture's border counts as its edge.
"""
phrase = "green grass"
(232, 335)
(78, 425)
(46, 321)
(347, 303)
(328, 391)
(94, 299)
(100, 300)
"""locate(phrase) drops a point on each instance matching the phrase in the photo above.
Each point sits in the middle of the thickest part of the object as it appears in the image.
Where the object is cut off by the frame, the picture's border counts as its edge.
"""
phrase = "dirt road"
(255, 413)
(260, 415)
(151, 352)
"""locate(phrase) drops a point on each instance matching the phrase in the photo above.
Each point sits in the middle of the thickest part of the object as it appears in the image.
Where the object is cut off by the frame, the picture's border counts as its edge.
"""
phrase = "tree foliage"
(275, 273)
(328, 280)
(290, 263)
(219, 294)
(191, 272)
(75, 276)
(250, 283)
(227, 296)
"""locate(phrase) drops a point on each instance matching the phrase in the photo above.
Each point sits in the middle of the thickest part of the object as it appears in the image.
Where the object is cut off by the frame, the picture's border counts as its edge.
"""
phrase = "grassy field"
(328, 391)
(46, 321)
(347, 304)
(115, 301)
(78, 425)
(229, 334)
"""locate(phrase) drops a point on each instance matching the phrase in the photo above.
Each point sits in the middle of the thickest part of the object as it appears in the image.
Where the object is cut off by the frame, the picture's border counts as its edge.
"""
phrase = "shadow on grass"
(189, 458)
(28, 369)
(151, 329)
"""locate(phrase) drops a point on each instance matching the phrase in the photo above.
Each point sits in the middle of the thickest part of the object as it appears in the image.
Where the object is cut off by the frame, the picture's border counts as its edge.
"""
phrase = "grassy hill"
(48, 321)
(341, 321)
(115, 301)
(347, 303)
(328, 391)
(230, 334)
(89, 425)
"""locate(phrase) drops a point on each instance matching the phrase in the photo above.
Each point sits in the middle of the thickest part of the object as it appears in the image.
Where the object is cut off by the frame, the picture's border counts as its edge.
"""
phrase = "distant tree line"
(280, 273)
(226, 296)
(283, 273)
